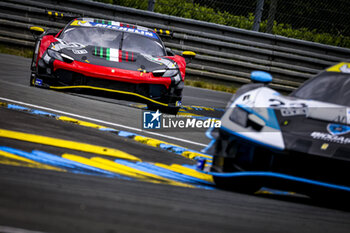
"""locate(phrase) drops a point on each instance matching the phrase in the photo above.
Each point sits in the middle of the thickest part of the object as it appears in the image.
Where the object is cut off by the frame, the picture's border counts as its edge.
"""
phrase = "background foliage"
(322, 21)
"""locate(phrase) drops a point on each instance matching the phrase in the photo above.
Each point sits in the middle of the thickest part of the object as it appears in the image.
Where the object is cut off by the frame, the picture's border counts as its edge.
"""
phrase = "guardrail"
(223, 53)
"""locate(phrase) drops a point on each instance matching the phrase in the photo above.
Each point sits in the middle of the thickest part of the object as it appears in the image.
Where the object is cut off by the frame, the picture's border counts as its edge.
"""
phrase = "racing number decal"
(276, 103)
(246, 97)
(289, 108)
(279, 103)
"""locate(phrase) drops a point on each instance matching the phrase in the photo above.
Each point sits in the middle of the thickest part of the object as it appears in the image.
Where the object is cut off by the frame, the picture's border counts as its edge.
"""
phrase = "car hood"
(306, 126)
(115, 58)
(263, 98)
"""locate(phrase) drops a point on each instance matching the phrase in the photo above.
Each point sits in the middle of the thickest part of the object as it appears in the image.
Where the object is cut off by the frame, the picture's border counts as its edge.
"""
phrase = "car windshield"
(109, 38)
(330, 87)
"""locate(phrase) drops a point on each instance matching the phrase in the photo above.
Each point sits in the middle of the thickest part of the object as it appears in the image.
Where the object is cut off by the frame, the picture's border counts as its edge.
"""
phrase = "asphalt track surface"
(47, 200)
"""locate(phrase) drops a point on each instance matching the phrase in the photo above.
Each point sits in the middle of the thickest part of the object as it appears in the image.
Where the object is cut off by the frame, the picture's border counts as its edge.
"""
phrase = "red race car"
(110, 58)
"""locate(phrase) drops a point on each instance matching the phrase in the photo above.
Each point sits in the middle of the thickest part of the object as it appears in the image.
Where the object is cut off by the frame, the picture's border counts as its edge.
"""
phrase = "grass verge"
(16, 50)
(211, 86)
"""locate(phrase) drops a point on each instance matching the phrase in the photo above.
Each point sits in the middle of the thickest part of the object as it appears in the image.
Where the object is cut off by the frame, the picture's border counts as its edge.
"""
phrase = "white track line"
(102, 122)
(6, 229)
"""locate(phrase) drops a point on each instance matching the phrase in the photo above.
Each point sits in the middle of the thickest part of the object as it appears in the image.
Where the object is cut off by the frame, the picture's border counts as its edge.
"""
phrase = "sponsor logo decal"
(337, 129)
(79, 51)
(330, 138)
(334, 135)
(110, 25)
(126, 29)
(38, 82)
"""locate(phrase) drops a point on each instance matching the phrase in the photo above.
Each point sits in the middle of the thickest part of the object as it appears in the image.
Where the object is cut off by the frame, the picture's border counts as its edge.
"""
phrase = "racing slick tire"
(173, 110)
(32, 79)
(39, 82)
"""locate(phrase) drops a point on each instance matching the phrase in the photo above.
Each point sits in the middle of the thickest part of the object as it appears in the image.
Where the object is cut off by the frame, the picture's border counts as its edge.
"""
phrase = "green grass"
(16, 50)
(211, 86)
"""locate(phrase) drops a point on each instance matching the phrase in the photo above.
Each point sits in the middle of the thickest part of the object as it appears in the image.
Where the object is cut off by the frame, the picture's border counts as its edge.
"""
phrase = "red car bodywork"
(117, 60)
(110, 73)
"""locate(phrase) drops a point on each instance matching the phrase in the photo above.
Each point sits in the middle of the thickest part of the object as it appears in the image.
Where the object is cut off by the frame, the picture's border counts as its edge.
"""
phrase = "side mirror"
(260, 77)
(36, 31)
(188, 55)
(170, 52)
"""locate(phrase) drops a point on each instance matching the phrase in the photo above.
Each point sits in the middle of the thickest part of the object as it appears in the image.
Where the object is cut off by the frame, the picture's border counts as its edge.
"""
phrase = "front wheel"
(164, 109)
(32, 79)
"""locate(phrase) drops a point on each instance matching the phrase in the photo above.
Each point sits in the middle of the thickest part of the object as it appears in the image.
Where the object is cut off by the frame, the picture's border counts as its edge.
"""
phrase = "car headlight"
(59, 56)
(239, 116)
(165, 73)
(54, 54)
(244, 118)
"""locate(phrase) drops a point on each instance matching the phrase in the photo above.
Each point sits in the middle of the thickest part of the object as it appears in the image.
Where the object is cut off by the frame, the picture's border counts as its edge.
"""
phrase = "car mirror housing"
(261, 77)
(256, 122)
(36, 31)
(188, 55)
(170, 52)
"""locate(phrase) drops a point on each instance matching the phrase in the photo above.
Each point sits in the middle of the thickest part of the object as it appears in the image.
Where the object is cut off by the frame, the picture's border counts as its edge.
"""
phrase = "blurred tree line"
(322, 21)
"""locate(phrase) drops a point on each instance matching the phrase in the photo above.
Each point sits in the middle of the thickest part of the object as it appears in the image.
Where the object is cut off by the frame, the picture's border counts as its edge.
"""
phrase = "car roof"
(101, 23)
